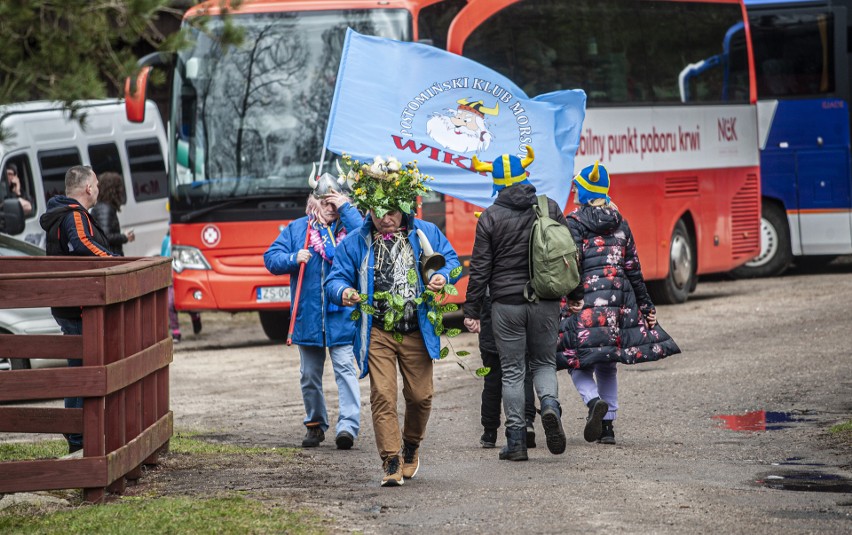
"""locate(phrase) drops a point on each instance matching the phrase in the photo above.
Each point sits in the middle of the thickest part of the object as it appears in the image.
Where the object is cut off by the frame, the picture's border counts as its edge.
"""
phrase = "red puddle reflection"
(757, 420)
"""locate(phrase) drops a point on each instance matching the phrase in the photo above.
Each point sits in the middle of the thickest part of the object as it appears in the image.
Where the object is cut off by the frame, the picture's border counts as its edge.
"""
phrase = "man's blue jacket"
(353, 268)
(314, 317)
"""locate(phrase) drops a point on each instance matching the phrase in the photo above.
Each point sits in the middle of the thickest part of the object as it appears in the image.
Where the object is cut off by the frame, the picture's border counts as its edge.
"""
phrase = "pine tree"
(80, 49)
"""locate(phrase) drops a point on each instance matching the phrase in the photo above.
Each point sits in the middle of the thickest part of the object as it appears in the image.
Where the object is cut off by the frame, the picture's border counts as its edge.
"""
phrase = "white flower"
(393, 164)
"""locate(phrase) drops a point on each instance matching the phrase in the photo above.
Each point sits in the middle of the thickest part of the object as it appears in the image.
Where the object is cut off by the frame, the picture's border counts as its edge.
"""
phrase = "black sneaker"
(74, 447)
(553, 433)
(530, 436)
(313, 437)
(608, 433)
(344, 440)
(597, 410)
(489, 438)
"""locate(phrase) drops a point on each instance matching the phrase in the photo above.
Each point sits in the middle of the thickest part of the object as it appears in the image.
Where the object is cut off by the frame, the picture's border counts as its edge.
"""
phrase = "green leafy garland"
(438, 306)
(385, 185)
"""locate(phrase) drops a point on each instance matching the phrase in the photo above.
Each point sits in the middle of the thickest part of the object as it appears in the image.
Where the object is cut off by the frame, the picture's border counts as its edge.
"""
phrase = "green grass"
(183, 515)
(191, 443)
(42, 449)
(151, 513)
(842, 428)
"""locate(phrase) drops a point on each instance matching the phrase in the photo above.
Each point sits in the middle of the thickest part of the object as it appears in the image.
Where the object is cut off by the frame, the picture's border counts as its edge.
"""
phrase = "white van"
(43, 142)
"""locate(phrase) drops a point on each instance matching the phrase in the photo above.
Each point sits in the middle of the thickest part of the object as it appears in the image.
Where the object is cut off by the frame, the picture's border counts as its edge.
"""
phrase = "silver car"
(25, 320)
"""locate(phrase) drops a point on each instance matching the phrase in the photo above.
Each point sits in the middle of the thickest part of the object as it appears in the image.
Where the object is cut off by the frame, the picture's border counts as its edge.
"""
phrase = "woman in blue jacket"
(321, 324)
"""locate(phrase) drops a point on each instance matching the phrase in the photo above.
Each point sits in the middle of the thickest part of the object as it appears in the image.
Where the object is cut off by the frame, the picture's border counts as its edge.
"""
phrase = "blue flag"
(417, 102)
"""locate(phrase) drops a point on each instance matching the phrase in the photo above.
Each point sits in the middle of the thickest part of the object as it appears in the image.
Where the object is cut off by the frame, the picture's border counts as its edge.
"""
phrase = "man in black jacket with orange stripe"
(71, 231)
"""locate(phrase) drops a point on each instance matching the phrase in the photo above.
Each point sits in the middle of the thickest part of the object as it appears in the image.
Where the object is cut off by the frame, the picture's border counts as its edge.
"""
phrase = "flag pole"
(294, 309)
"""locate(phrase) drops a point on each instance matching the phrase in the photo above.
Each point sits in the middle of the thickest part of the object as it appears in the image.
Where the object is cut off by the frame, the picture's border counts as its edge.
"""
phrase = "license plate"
(273, 294)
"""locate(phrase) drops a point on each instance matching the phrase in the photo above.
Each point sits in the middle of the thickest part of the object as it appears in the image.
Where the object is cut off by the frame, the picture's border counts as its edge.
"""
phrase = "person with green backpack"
(517, 240)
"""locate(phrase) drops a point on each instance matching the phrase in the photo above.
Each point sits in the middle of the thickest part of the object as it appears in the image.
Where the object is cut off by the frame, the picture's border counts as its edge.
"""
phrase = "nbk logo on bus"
(441, 110)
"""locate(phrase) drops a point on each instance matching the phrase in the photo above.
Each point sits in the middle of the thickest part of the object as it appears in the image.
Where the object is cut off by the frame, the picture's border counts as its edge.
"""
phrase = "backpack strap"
(544, 209)
(540, 209)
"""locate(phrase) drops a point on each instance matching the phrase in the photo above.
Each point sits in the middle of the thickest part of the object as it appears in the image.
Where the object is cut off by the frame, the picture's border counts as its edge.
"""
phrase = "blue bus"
(802, 68)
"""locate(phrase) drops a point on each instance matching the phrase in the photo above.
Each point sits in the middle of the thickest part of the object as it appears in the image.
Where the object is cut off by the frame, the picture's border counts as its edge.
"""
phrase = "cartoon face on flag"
(442, 109)
(463, 129)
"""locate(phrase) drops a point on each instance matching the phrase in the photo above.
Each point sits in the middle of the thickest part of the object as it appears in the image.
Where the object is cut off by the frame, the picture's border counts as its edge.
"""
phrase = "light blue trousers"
(348, 391)
(599, 381)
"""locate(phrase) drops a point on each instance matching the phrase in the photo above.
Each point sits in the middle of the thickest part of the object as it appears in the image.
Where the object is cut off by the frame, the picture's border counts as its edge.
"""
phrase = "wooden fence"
(126, 350)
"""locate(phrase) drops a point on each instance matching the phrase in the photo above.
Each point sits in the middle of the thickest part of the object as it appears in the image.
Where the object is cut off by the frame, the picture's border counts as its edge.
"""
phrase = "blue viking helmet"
(507, 170)
(592, 182)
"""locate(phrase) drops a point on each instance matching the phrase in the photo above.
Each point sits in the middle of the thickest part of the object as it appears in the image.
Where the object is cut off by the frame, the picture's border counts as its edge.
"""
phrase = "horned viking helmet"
(327, 183)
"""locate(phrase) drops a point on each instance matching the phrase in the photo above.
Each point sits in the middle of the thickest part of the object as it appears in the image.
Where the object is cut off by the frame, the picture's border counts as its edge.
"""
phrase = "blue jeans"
(526, 332)
(348, 391)
(72, 326)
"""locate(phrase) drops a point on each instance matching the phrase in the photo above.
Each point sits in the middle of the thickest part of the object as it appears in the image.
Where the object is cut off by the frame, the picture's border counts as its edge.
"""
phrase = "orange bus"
(686, 176)
(247, 123)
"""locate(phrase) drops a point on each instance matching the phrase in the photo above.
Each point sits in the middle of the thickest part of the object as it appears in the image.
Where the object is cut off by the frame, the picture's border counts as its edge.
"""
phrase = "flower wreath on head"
(385, 185)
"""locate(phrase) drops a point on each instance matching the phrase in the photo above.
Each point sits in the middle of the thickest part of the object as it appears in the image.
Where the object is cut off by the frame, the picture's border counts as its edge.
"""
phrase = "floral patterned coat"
(611, 327)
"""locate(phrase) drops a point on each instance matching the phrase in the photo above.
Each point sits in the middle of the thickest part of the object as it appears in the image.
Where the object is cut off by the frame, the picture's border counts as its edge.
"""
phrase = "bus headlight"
(184, 257)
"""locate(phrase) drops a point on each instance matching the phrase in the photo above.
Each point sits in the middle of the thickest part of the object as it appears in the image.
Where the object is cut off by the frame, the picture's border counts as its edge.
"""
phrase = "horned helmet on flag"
(477, 107)
(507, 170)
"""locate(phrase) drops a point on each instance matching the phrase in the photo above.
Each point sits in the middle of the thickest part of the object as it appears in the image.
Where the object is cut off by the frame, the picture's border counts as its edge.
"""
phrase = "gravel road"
(778, 345)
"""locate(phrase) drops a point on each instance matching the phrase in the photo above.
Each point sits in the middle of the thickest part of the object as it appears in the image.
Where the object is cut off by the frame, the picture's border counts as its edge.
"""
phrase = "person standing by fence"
(71, 231)
(110, 198)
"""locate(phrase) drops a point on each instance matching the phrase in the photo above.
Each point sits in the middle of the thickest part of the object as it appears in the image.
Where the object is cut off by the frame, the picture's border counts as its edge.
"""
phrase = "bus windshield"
(249, 120)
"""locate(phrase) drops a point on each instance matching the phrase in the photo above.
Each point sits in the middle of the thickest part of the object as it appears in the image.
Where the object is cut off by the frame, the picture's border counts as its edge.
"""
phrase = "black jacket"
(500, 258)
(107, 218)
(611, 327)
(71, 231)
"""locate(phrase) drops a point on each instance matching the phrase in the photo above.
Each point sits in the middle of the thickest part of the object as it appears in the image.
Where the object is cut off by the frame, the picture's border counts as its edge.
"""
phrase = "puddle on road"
(806, 481)
(786, 476)
(760, 420)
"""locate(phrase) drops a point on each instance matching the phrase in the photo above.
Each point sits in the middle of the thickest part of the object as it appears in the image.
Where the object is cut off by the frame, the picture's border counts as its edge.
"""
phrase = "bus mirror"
(135, 89)
(134, 96)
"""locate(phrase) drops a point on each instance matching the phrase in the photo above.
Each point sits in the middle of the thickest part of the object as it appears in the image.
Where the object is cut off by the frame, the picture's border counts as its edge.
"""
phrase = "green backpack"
(553, 256)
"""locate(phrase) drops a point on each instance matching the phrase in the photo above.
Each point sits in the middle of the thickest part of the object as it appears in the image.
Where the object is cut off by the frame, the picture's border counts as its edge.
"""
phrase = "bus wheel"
(775, 253)
(681, 279)
(275, 324)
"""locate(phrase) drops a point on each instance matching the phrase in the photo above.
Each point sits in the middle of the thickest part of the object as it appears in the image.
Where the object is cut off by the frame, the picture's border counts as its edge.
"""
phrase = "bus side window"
(147, 169)
(793, 54)
(54, 164)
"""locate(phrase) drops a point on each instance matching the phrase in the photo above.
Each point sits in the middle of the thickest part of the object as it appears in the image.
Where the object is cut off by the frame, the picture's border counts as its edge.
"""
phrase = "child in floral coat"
(616, 320)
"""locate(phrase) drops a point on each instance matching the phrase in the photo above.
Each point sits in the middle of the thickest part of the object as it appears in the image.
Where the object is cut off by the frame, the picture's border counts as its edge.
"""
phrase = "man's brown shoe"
(392, 467)
(410, 460)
